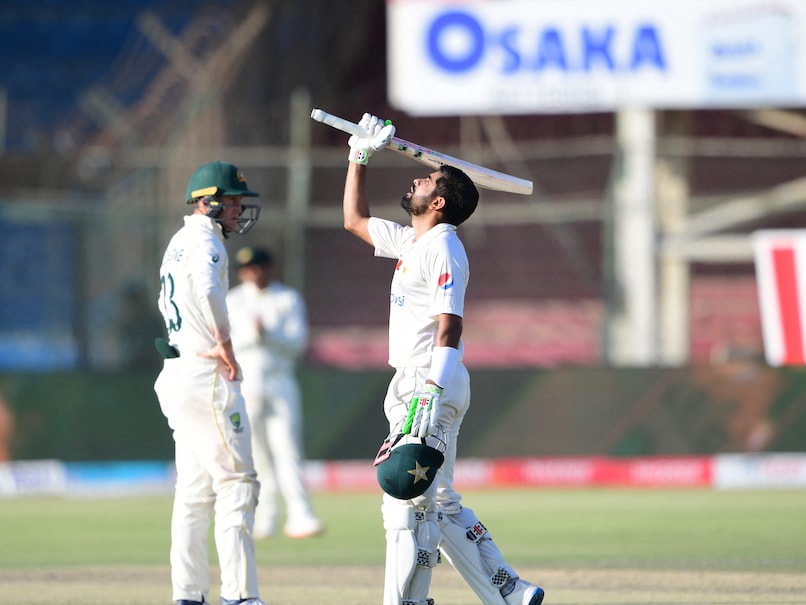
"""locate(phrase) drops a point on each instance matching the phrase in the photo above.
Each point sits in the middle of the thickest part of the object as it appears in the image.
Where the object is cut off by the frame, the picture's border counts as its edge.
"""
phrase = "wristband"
(432, 389)
(443, 362)
(359, 156)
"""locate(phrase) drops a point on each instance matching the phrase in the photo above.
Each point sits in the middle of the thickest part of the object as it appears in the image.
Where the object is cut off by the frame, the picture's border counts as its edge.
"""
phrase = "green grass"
(674, 529)
(662, 529)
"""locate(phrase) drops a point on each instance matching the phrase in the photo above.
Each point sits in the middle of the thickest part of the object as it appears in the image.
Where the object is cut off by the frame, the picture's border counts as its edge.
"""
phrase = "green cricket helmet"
(215, 179)
(406, 470)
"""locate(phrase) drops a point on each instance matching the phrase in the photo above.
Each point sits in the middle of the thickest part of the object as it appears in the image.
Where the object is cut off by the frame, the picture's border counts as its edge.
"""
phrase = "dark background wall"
(736, 407)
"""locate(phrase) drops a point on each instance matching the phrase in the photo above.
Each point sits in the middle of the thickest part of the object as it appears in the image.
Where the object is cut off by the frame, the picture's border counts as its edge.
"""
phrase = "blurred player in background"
(269, 334)
(429, 393)
(200, 394)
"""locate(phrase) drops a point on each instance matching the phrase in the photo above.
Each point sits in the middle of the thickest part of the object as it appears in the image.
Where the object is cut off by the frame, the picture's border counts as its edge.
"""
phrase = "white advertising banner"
(760, 471)
(455, 57)
(780, 256)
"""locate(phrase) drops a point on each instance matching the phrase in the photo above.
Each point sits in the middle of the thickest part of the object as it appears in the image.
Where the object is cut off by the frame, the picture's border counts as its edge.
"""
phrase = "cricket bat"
(481, 176)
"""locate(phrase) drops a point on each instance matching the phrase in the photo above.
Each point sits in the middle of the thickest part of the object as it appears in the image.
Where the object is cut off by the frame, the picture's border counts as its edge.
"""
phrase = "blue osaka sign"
(550, 48)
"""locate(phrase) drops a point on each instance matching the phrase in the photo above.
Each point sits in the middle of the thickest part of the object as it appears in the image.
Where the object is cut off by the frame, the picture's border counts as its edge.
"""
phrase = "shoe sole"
(303, 535)
(537, 597)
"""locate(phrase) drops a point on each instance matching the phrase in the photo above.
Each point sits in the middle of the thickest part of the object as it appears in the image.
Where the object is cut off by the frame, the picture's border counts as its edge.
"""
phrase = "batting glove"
(423, 417)
(378, 134)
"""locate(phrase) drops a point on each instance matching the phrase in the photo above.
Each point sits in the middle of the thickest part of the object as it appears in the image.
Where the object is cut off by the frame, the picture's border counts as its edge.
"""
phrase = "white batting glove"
(423, 417)
(378, 135)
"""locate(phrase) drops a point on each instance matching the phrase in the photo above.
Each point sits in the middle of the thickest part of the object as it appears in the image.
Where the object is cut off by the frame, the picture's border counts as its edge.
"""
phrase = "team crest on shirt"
(235, 419)
(445, 281)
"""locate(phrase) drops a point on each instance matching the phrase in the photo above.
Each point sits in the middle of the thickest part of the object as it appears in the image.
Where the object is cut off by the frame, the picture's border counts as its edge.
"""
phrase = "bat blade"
(481, 176)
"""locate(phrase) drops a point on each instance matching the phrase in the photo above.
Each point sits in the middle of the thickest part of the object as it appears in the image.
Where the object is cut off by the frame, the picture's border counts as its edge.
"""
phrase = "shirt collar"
(205, 222)
(435, 231)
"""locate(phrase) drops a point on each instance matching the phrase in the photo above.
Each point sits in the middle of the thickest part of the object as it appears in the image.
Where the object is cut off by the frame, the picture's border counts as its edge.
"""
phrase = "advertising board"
(455, 57)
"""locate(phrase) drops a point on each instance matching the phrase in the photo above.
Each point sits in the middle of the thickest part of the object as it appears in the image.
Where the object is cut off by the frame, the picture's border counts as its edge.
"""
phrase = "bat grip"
(337, 122)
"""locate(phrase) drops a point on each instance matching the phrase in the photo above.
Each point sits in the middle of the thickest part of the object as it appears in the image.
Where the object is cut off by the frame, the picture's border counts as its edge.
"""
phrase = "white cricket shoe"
(304, 528)
(263, 531)
(523, 593)
(254, 601)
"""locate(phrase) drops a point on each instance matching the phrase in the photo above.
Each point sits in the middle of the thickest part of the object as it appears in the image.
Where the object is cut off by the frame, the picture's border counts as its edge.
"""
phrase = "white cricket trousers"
(483, 559)
(454, 404)
(214, 475)
(274, 404)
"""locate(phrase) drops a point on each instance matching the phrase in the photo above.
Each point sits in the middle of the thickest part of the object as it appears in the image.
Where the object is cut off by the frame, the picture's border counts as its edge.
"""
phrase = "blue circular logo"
(450, 23)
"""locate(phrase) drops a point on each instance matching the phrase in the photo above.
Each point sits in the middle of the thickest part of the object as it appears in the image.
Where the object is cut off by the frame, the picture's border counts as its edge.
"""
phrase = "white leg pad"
(427, 533)
(471, 551)
(412, 539)
(401, 550)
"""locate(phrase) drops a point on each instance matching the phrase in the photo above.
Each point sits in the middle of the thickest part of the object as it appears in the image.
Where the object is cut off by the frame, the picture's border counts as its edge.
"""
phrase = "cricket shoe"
(189, 602)
(249, 601)
(521, 592)
(304, 528)
(261, 532)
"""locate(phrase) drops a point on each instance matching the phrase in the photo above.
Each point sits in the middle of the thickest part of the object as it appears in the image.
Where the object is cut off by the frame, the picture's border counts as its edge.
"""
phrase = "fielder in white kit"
(429, 393)
(199, 393)
(269, 333)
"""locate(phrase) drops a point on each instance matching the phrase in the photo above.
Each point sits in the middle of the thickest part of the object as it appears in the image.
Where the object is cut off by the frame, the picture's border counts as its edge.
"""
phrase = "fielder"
(429, 393)
(199, 393)
(269, 333)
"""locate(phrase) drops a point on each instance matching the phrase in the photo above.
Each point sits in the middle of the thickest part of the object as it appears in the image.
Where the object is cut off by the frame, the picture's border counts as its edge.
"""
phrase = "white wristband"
(443, 362)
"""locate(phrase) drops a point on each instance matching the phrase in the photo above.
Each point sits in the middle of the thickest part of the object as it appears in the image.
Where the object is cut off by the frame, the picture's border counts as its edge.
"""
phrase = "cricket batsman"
(429, 394)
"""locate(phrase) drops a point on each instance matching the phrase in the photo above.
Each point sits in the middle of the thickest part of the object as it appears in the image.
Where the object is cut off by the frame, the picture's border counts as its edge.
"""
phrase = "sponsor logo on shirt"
(445, 281)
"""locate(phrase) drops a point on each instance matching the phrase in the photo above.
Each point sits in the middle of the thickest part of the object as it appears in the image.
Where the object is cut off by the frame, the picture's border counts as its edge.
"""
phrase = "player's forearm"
(355, 203)
(213, 305)
(449, 331)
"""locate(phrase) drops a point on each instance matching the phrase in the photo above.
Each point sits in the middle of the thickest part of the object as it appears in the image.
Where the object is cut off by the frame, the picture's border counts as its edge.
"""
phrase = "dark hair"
(461, 195)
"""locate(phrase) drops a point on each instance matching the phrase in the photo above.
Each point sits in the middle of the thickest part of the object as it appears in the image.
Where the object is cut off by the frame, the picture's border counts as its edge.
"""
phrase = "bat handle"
(337, 122)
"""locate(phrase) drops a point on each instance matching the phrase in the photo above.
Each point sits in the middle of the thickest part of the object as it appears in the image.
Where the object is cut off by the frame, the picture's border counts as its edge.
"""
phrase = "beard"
(413, 205)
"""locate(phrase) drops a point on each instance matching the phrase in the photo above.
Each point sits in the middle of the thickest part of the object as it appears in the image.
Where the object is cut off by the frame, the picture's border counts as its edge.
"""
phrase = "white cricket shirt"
(269, 326)
(193, 287)
(430, 278)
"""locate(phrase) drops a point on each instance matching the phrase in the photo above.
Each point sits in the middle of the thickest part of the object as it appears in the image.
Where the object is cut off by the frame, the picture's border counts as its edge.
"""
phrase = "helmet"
(408, 470)
(253, 255)
(221, 178)
(217, 178)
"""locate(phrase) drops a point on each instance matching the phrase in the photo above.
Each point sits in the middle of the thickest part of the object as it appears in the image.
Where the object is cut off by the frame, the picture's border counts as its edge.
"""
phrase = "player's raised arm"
(355, 204)
(356, 207)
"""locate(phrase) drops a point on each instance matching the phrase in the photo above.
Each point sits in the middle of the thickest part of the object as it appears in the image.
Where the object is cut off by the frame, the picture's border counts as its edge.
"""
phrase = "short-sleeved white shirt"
(194, 282)
(430, 278)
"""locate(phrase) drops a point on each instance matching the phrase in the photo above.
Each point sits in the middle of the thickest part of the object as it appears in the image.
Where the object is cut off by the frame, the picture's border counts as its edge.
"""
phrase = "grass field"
(583, 546)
